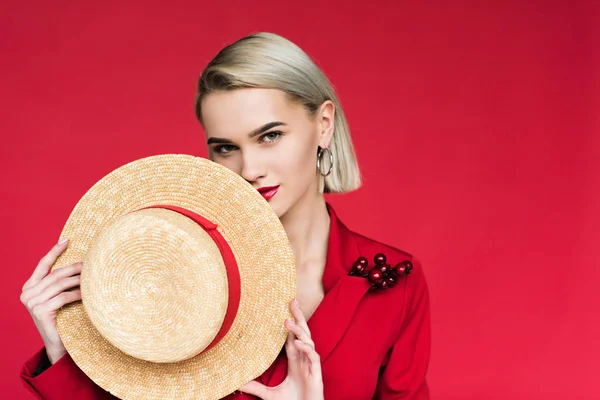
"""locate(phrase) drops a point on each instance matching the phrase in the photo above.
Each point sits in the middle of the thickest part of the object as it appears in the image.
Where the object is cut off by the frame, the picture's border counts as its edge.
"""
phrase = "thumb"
(257, 389)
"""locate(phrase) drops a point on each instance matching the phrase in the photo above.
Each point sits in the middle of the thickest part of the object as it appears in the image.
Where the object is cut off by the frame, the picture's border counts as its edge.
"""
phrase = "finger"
(63, 298)
(42, 311)
(46, 262)
(54, 277)
(257, 389)
(293, 355)
(299, 332)
(299, 315)
(290, 349)
(54, 290)
(311, 354)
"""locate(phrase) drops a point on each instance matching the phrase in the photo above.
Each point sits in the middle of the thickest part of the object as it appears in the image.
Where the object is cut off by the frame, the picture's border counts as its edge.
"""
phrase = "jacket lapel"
(343, 293)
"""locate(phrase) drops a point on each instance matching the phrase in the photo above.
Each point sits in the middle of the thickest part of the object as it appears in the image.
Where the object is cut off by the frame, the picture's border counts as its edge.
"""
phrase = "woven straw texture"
(263, 255)
(148, 279)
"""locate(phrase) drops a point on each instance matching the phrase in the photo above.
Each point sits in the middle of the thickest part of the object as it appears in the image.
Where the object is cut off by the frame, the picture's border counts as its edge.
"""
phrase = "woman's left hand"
(304, 380)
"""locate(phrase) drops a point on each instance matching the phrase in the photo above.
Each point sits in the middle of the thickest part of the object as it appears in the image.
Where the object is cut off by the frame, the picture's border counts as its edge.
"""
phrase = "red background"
(476, 127)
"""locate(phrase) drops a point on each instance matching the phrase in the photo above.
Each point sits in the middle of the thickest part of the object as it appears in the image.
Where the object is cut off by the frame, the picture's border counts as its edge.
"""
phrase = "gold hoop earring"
(321, 150)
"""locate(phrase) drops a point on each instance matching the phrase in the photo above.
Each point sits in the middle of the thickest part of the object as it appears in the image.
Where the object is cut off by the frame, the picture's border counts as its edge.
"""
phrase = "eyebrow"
(256, 132)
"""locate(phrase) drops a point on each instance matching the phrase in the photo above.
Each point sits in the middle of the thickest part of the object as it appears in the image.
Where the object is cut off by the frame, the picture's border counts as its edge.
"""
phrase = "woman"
(271, 116)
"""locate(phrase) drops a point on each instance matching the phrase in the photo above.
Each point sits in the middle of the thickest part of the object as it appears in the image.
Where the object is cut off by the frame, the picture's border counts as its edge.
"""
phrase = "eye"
(223, 149)
(270, 137)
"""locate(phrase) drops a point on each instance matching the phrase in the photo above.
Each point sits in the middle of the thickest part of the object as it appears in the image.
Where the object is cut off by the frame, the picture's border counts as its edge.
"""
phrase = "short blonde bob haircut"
(267, 60)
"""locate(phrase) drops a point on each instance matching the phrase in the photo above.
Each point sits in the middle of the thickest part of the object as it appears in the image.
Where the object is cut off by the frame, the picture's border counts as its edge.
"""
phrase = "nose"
(252, 167)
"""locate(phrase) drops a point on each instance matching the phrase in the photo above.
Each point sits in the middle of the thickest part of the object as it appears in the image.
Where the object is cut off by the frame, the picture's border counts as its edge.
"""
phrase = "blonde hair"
(267, 60)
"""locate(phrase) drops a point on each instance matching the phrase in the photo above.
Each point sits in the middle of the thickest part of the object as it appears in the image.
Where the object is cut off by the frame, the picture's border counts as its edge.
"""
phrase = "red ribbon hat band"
(233, 274)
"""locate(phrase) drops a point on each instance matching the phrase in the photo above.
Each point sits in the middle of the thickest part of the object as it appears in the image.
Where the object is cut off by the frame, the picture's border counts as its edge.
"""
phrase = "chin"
(277, 211)
(277, 208)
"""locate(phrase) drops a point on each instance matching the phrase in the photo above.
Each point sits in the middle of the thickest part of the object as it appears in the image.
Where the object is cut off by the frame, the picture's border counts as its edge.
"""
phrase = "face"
(270, 141)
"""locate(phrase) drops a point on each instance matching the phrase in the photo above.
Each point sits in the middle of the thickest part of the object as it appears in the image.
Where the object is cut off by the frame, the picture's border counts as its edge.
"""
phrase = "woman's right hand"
(45, 292)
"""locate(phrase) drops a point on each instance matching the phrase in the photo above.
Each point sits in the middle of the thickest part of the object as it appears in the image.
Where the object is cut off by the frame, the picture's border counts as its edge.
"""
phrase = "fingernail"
(296, 302)
(63, 241)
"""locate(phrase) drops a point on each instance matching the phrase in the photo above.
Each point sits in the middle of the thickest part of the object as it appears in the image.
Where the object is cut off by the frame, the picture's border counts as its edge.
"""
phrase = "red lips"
(268, 191)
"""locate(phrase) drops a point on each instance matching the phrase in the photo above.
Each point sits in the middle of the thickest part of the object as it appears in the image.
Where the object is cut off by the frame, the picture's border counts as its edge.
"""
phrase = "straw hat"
(186, 280)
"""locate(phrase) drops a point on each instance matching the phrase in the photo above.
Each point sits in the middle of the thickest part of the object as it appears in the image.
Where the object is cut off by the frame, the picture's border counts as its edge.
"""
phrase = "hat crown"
(170, 303)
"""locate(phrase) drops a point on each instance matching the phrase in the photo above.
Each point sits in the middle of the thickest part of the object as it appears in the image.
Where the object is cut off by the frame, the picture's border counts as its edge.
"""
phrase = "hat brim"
(258, 242)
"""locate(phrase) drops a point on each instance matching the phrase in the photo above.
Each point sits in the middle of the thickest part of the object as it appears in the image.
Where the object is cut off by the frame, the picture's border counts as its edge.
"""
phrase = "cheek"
(297, 160)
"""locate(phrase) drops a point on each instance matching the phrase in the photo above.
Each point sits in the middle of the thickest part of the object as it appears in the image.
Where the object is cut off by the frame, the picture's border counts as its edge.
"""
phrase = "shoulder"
(368, 243)
(370, 247)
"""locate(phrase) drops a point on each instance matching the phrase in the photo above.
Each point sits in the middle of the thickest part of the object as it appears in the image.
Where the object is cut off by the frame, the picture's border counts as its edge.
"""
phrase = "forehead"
(227, 113)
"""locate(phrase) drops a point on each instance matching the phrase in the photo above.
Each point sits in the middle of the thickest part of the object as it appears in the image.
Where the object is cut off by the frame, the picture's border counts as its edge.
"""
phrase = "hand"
(304, 380)
(44, 293)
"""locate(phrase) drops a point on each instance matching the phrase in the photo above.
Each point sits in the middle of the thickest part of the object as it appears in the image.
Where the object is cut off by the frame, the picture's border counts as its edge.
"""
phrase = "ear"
(325, 121)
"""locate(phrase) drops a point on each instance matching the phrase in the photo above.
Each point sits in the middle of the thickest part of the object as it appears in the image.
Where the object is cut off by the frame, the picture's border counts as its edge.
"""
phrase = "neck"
(307, 228)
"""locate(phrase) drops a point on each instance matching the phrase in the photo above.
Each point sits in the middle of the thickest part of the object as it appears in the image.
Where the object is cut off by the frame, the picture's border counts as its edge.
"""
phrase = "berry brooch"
(382, 275)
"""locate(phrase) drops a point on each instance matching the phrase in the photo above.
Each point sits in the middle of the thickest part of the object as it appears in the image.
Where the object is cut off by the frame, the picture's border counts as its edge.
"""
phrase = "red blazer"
(374, 344)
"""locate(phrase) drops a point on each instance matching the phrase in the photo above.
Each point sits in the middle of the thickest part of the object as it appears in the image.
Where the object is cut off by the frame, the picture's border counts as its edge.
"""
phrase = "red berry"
(379, 259)
(392, 281)
(385, 268)
(376, 276)
(400, 268)
(358, 268)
